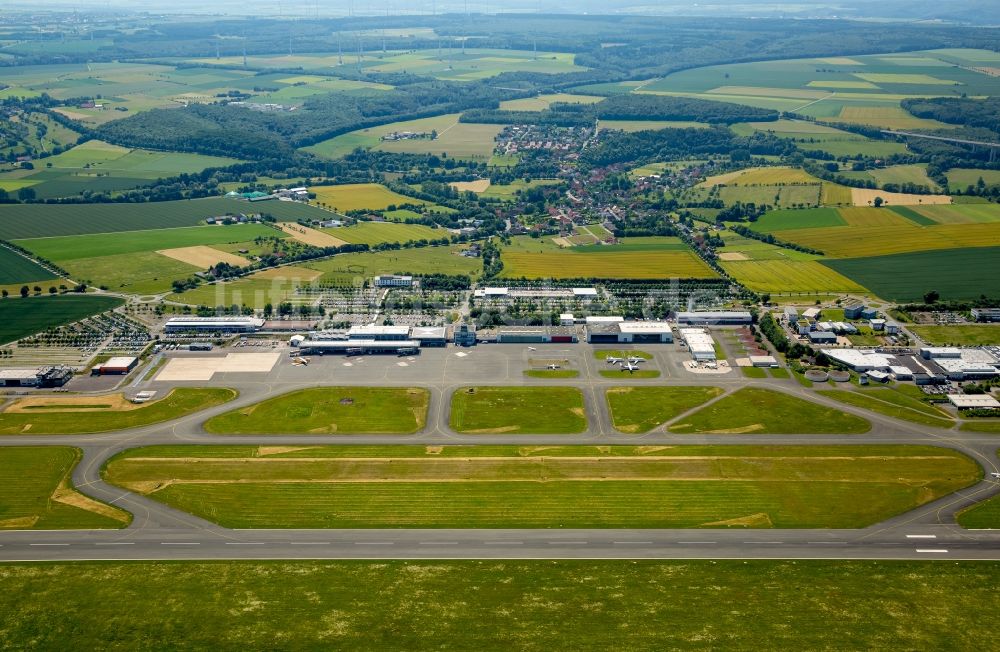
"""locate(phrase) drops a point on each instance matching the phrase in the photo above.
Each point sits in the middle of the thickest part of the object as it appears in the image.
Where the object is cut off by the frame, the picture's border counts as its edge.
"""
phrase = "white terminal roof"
(119, 361)
(698, 340)
(973, 401)
(428, 332)
(861, 360)
(604, 319)
(360, 344)
(221, 321)
(18, 374)
(373, 329)
(644, 327)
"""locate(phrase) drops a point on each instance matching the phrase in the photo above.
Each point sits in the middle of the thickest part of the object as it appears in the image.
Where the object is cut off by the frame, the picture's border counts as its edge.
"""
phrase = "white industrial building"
(393, 281)
(603, 319)
(812, 313)
(567, 319)
(716, 318)
(700, 343)
(861, 359)
(629, 332)
(379, 333)
(763, 361)
(19, 378)
(959, 369)
(937, 352)
(973, 401)
(213, 325)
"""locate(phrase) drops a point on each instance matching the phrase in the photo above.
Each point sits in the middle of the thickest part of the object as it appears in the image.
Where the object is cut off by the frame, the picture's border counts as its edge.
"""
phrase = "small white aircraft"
(614, 360)
(634, 359)
(531, 348)
(630, 367)
(552, 366)
(300, 362)
(995, 475)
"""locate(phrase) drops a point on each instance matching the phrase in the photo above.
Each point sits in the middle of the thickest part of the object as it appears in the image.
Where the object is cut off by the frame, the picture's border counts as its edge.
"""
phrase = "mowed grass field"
(959, 335)
(531, 605)
(641, 409)
(330, 411)
(956, 274)
(763, 411)
(454, 138)
(984, 515)
(360, 196)
(517, 410)
(892, 404)
(535, 259)
(272, 286)
(74, 419)
(15, 268)
(543, 487)
(20, 317)
(347, 268)
(36, 492)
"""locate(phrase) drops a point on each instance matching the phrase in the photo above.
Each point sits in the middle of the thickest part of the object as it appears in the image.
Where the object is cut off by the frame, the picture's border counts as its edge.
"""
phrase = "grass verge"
(891, 403)
(518, 410)
(640, 409)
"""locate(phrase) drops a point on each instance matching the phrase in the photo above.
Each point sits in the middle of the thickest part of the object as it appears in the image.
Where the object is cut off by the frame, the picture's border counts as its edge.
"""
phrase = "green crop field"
(764, 411)
(179, 402)
(810, 218)
(531, 605)
(960, 213)
(373, 233)
(960, 335)
(257, 290)
(15, 268)
(46, 220)
(606, 262)
(454, 138)
(962, 178)
(517, 410)
(423, 260)
(509, 191)
(896, 236)
(641, 409)
(956, 274)
(36, 492)
(330, 411)
(892, 404)
(360, 196)
(98, 245)
(543, 487)
(22, 317)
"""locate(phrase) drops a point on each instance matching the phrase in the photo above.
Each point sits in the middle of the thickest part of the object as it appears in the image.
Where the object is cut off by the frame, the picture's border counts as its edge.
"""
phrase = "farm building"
(716, 318)
(973, 401)
(117, 366)
(700, 343)
(822, 337)
(986, 314)
(393, 280)
(430, 336)
(177, 325)
(629, 332)
(379, 333)
(465, 335)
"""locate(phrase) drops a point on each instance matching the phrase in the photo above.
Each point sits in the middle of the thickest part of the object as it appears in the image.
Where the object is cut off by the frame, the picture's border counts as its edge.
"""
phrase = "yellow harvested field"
(863, 241)
(756, 91)
(203, 256)
(768, 176)
(733, 255)
(836, 195)
(904, 78)
(479, 185)
(310, 236)
(286, 273)
(842, 84)
(841, 61)
(866, 197)
(889, 117)
(612, 264)
(789, 276)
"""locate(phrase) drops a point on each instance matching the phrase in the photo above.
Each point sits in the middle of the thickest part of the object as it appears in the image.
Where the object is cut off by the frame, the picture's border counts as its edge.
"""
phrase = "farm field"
(99, 166)
(543, 487)
(962, 178)
(900, 236)
(21, 317)
(542, 102)
(517, 410)
(810, 137)
(15, 268)
(646, 125)
(892, 404)
(272, 286)
(810, 218)
(956, 274)
(755, 604)
(641, 409)
(644, 258)
(454, 138)
(509, 191)
(373, 233)
(762, 411)
(961, 335)
(346, 268)
(36, 492)
(113, 414)
(330, 411)
(47, 220)
(360, 196)
(959, 213)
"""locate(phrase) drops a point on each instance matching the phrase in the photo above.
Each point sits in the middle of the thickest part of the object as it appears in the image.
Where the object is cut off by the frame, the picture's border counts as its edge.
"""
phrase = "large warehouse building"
(629, 332)
(700, 344)
(178, 325)
(715, 318)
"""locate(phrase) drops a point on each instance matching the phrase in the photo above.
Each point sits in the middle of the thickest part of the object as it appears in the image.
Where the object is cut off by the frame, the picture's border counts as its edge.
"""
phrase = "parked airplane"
(552, 366)
(614, 360)
(630, 367)
(300, 362)
(634, 359)
(531, 348)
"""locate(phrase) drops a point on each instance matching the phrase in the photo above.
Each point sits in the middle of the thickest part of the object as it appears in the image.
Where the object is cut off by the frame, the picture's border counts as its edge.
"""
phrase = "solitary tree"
(25, 291)
(931, 297)
(878, 202)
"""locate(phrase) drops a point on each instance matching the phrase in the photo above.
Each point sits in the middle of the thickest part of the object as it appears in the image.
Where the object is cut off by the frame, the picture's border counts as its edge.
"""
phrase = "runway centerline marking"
(921, 536)
(931, 550)
(48, 544)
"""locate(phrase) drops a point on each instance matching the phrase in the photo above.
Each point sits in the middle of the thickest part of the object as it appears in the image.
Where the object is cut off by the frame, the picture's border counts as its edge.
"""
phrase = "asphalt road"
(160, 532)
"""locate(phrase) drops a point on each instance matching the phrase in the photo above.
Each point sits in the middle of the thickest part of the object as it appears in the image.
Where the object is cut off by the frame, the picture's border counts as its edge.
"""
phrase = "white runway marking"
(931, 550)
(921, 536)
(48, 544)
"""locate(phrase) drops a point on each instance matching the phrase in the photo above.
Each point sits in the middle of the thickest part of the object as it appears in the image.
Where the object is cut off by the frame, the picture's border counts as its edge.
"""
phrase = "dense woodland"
(671, 144)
